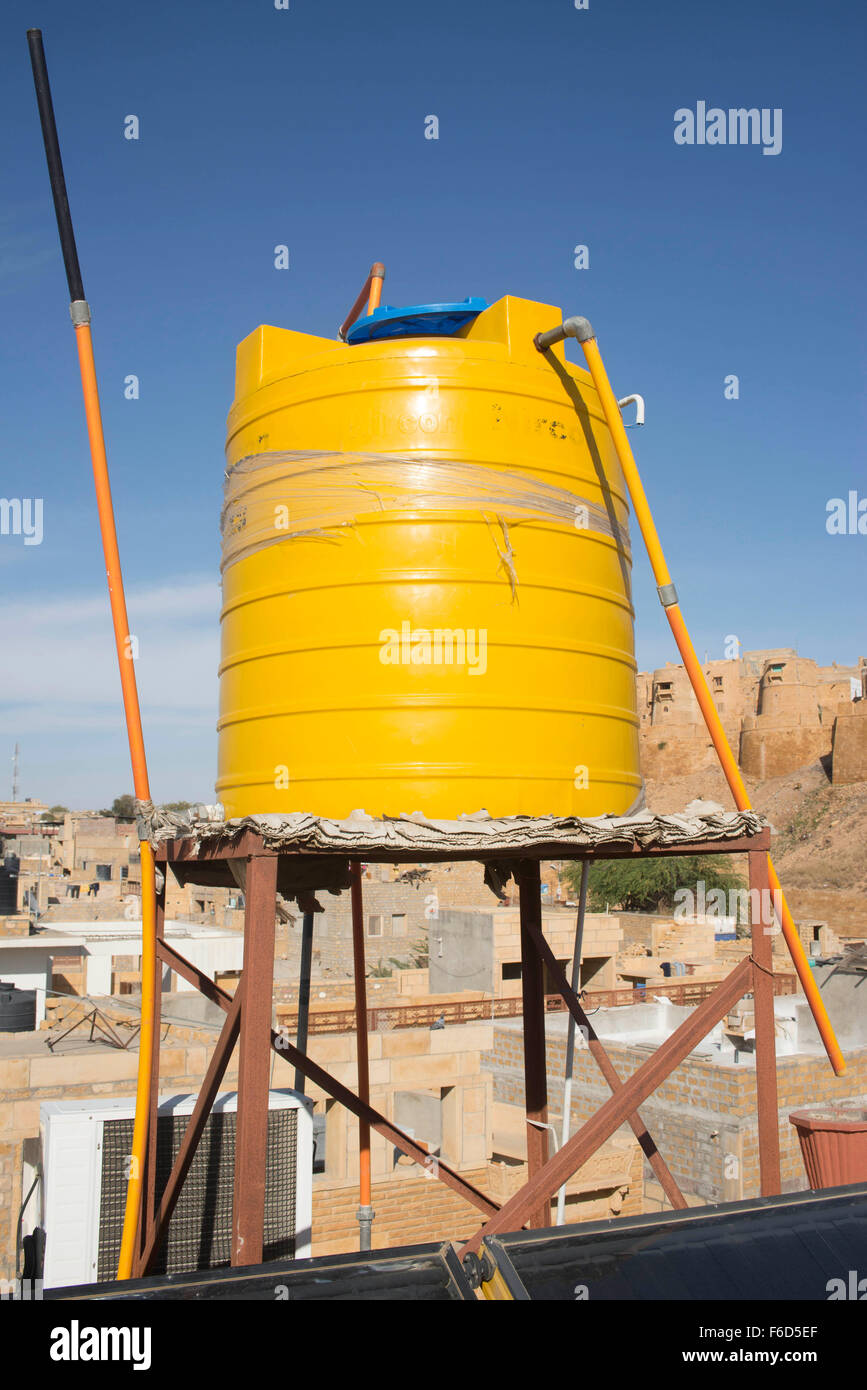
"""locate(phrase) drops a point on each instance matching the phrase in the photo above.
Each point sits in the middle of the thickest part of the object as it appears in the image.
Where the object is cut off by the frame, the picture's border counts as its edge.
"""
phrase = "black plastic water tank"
(17, 1009)
(9, 884)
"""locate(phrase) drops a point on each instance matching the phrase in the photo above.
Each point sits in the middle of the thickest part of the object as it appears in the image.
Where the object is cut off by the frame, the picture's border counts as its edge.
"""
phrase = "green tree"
(177, 806)
(649, 885)
(54, 813)
(122, 808)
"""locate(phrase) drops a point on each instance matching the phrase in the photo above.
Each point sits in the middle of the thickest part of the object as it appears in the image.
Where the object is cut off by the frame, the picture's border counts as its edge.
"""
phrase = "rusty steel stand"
(248, 1020)
(755, 974)
(254, 1061)
(533, 998)
(305, 974)
(365, 1210)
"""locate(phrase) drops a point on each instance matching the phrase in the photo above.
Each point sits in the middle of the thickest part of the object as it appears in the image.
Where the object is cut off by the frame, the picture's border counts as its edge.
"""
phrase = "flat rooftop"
(36, 1044)
(650, 1024)
(122, 929)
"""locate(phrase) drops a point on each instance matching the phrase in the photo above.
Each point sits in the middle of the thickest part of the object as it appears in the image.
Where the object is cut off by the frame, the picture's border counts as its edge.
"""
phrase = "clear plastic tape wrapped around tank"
(270, 498)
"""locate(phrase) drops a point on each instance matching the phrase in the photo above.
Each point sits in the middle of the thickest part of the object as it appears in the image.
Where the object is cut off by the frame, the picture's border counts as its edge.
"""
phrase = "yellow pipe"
(614, 421)
(643, 515)
(132, 712)
(496, 1289)
(134, 1191)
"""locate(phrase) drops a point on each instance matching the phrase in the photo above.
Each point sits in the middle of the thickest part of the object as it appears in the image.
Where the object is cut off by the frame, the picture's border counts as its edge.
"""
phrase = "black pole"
(304, 992)
(55, 165)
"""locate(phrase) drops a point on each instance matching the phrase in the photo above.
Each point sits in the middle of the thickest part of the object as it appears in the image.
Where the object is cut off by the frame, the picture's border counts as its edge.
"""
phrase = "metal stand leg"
(195, 1128)
(304, 993)
(570, 1031)
(254, 1063)
(533, 991)
(365, 1210)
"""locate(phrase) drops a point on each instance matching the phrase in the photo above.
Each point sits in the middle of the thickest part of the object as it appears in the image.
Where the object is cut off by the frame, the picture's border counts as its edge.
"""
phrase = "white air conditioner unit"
(85, 1150)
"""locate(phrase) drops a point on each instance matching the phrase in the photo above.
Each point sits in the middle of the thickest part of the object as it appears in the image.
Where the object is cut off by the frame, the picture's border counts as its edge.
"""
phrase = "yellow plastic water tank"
(426, 579)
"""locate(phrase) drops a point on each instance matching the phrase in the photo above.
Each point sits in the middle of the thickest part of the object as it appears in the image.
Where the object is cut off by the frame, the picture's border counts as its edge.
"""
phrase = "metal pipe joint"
(576, 327)
(365, 1217)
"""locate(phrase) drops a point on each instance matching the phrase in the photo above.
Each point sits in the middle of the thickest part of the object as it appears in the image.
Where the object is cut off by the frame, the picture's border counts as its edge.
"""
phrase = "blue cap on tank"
(415, 321)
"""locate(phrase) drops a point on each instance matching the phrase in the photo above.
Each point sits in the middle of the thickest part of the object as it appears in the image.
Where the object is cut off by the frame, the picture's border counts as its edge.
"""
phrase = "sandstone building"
(780, 712)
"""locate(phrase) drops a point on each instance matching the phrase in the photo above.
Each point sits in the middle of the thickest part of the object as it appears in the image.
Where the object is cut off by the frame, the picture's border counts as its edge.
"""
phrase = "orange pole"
(371, 292)
(80, 314)
(668, 597)
(365, 1215)
(116, 596)
(375, 296)
(132, 713)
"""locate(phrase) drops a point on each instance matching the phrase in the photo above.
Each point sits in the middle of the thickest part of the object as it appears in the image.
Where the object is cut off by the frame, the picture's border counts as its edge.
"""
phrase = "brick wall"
(844, 910)
(850, 744)
(15, 926)
(676, 752)
(409, 1211)
(10, 1200)
(699, 1115)
(414, 1209)
(773, 752)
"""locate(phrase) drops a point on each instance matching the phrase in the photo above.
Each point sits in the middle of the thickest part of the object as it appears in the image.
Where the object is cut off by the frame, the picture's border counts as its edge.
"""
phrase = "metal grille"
(199, 1233)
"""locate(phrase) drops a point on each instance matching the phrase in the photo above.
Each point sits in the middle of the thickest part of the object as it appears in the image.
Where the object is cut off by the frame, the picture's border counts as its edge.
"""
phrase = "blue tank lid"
(415, 321)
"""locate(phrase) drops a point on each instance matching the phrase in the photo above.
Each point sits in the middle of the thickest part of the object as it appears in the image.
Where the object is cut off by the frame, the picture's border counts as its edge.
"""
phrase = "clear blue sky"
(306, 127)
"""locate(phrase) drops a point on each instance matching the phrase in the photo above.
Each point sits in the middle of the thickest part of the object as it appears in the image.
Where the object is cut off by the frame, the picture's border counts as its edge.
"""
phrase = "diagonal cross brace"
(335, 1088)
(610, 1116)
(606, 1066)
(194, 1130)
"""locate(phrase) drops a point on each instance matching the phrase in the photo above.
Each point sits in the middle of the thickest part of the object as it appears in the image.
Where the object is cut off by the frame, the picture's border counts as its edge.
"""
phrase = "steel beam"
(194, 1130)
(196, 977)
(519, 1210)
(254, 1061)
(660, 1168)
(334, 1088)
(359, 967)
(188, 850)
(533, 997)
(305, 972)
